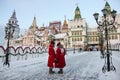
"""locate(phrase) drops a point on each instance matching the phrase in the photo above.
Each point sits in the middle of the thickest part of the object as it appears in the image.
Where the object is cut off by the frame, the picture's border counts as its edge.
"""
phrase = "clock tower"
(77, 13)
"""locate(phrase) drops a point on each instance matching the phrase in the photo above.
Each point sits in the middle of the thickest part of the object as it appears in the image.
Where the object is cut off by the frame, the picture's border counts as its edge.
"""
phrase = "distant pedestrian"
(80, 49)
(60, 57)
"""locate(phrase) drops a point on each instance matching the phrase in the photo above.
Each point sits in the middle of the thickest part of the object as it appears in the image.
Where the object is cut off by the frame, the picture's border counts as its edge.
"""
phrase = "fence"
(115, 47)
(21, 53)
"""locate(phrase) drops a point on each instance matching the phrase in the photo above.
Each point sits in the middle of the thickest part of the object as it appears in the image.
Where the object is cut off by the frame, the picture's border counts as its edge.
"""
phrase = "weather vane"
(105, 0)
(76, 4)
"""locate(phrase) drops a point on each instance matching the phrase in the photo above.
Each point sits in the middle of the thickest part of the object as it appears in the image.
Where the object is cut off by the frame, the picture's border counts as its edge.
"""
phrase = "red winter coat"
(51, 57)
(60, 56)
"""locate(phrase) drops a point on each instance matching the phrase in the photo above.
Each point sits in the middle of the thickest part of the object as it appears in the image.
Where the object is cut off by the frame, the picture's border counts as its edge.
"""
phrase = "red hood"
(51, 45)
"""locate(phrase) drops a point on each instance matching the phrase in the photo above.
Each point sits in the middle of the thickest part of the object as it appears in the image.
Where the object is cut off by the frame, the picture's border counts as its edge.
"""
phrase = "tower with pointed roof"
(30, 37)
(77, 13)
(33, 27)
(14, 22)
(107, 7)
(65, 26)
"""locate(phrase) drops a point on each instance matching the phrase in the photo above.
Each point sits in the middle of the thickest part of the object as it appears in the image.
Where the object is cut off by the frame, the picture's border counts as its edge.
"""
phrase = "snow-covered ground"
(79, 66)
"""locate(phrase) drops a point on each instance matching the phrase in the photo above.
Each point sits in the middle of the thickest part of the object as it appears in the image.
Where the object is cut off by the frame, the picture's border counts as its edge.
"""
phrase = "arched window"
(81, 26)
(80, 38)
(112, 37)
(116, 37)
(78, 26)
(12, 22)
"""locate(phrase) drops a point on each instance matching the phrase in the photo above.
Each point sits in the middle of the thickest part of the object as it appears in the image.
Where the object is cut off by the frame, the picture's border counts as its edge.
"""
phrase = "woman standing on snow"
(51, 57)
(60, 58)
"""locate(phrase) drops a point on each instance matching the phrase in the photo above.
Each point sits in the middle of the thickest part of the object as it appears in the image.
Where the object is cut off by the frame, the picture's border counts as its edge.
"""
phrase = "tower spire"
(77, 13)
(14, 14)
(65, 22)
(14, 22)
(34, 26)
(107, 7)
(34, 21)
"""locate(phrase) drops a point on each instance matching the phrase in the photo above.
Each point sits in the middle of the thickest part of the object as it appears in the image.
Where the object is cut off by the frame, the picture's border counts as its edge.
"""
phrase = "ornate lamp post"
(106, 26)
(9, 30)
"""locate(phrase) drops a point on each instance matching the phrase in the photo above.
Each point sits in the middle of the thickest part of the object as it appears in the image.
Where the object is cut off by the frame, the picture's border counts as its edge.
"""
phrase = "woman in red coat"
(51, 57)
(60, 57)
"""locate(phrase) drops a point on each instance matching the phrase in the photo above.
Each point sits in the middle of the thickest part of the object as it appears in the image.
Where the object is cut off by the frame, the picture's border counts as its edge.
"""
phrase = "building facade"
(77, 30)
(73, 34)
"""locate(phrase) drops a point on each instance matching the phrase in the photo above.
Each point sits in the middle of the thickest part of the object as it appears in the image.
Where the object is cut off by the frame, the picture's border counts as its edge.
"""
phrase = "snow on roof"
(39, 33)
(60, 35)
(37, 38)
(20, 38)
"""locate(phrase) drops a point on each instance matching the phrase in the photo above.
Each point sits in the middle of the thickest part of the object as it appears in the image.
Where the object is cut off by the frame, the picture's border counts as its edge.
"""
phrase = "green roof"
(77, 13)
(107, 6)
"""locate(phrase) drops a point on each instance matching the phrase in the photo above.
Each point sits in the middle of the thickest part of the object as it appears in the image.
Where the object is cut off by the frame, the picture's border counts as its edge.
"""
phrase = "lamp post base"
(108, 66)
(6, 60)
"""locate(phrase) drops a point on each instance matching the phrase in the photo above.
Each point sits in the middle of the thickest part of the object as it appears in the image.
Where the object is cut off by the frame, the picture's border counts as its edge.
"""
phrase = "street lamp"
(9, 30)
(106, 26)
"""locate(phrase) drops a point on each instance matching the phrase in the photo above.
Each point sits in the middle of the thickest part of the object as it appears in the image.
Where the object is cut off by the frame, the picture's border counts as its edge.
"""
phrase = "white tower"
(13, 20)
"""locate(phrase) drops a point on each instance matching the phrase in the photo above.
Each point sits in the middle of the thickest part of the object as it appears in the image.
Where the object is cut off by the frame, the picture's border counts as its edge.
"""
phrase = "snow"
(79, 66)
(61, 35)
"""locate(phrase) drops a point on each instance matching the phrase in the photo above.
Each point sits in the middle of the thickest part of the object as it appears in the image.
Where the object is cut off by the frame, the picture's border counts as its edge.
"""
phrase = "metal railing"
(21, 53)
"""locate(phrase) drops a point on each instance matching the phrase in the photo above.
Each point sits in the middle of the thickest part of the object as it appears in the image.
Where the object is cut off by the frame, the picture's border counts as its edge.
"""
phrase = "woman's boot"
(50, 71)
(60, 71)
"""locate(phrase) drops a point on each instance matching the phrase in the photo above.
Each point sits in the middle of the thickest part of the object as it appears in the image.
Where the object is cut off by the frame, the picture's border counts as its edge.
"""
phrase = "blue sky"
(50, 10)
